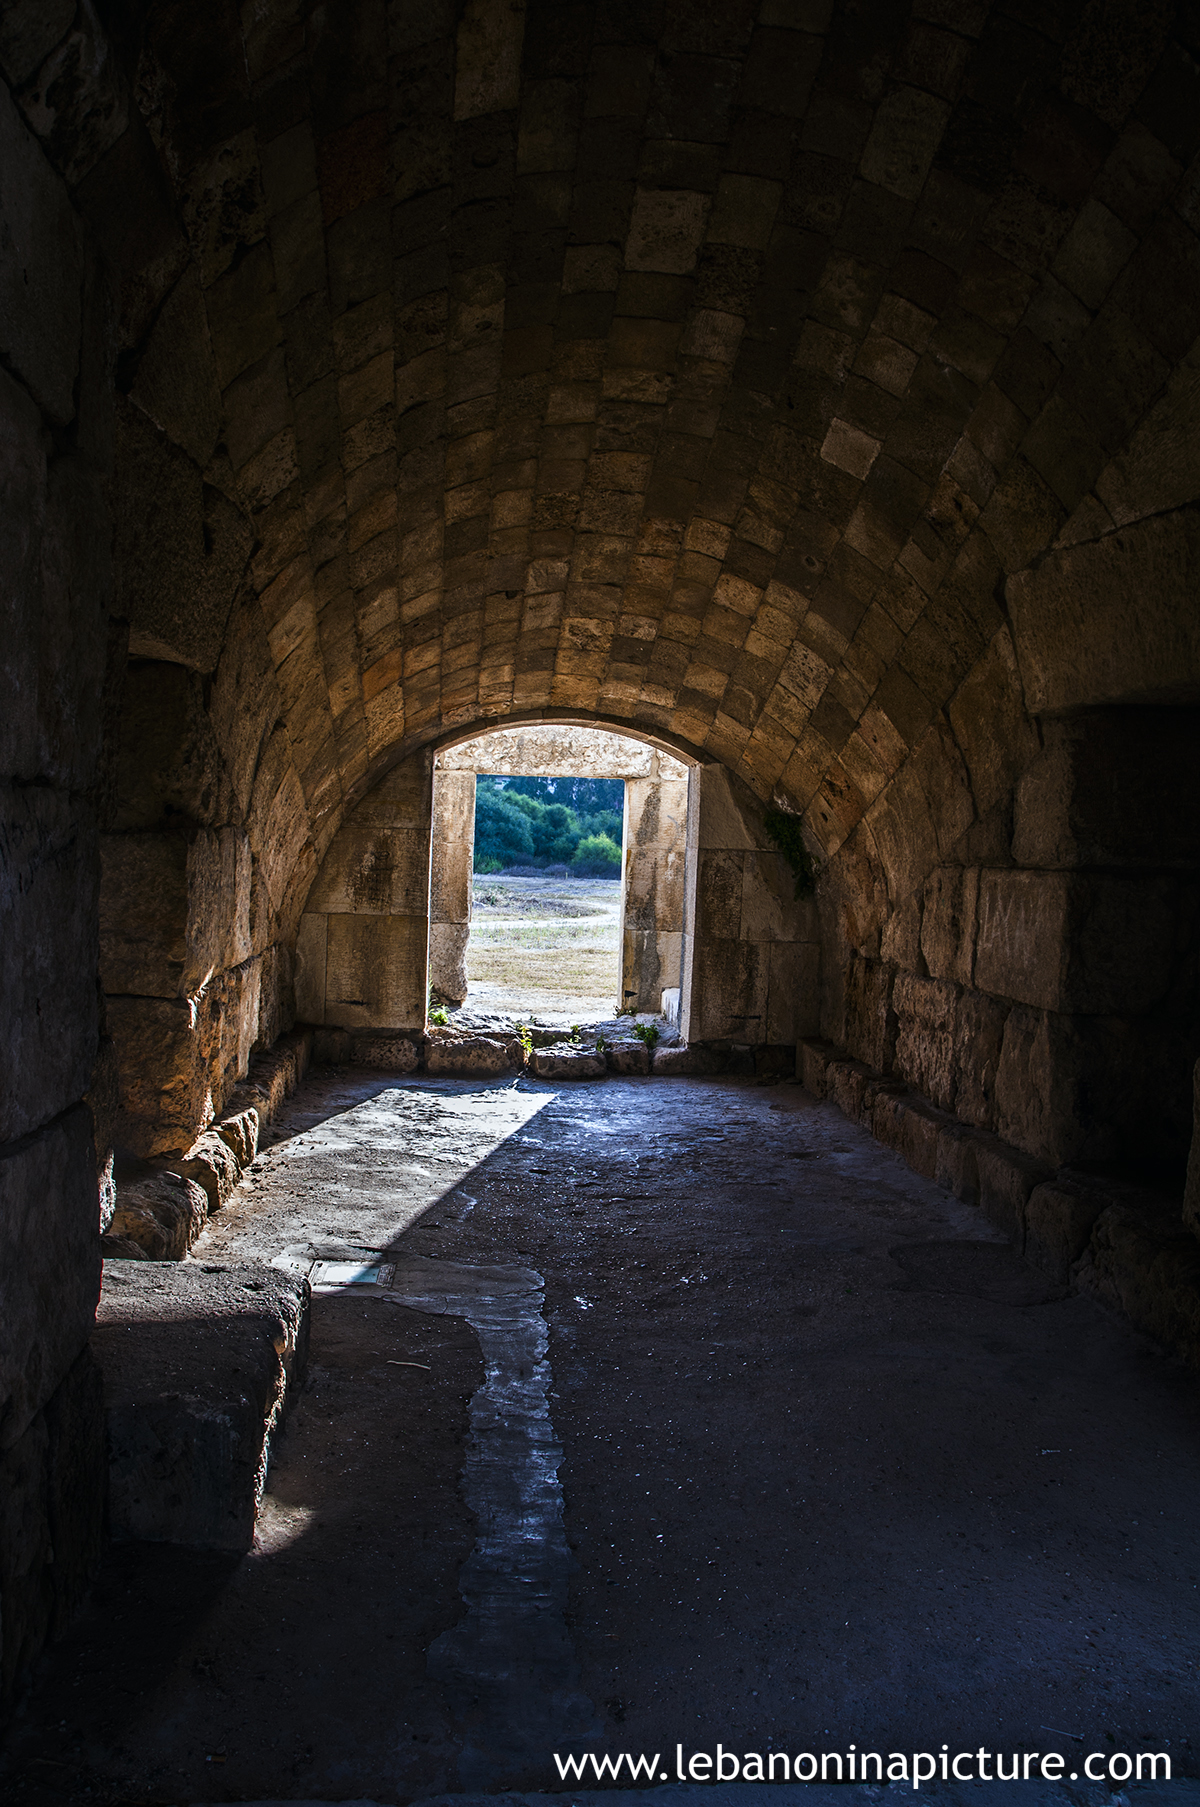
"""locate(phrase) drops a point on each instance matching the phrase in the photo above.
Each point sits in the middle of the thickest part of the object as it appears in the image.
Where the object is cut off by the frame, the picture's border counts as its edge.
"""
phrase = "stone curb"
(1127, 1246)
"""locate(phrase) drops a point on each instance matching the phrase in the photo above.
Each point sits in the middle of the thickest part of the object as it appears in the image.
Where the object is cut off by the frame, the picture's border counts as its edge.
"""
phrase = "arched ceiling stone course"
(721, 372)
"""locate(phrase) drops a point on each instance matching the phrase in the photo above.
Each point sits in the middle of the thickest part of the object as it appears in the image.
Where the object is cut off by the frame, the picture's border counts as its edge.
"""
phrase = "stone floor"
(836, 1469)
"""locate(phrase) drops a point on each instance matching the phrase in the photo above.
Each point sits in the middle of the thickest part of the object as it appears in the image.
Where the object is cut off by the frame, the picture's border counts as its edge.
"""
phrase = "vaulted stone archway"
(809, 388)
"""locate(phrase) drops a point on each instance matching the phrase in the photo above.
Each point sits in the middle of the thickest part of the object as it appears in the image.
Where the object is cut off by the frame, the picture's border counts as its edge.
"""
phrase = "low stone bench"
(197, 1360)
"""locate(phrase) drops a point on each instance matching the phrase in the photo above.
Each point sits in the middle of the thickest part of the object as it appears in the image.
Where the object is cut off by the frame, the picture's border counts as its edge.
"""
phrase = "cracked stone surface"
(837, 1466)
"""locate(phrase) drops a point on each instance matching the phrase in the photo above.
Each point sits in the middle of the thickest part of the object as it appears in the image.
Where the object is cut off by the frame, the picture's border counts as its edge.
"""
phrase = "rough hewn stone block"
(197, 1360)
(1006, 1179)
(565, 1062)
(240, 1133)
(163, 1214)
(695, 1060)
(1147, 1266)
(212, 1164)
(50, 1257)
(812, 1062)
(389, 1053)
(42, 273)
(1058, 1223)
(47, 953)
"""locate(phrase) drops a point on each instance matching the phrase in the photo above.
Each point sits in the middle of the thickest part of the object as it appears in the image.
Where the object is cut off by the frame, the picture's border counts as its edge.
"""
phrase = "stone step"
(197, 1360)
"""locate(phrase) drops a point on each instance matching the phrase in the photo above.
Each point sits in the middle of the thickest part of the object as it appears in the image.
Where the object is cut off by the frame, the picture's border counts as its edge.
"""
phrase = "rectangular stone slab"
(197, 1359)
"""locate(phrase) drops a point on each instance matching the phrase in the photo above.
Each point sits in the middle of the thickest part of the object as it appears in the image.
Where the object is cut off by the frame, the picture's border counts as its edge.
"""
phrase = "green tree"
(597, 857)
(503, 833)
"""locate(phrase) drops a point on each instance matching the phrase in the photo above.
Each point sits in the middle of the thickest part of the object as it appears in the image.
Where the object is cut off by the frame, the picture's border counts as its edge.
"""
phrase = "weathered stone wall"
(813, 392)
(362, 953)
(55, 591)
(652, 884)
(452, 863)
(1035, 973)
(751, 953)
(198, 865)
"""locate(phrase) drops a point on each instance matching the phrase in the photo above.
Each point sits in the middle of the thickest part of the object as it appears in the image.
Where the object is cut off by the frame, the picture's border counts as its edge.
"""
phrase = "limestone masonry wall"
(812, 391)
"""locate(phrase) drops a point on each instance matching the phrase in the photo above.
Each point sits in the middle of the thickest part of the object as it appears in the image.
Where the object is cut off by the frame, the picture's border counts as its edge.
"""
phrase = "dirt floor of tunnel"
(837, 1466)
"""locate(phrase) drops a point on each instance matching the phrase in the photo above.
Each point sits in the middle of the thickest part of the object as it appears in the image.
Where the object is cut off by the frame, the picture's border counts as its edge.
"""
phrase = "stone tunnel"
(805, 394)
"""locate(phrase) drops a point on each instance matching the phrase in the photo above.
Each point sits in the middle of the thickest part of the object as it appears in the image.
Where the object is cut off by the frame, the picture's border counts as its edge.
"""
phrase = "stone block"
(665, 230)
(846, 1085)
(729, 991)
(719, 885)
(376, 972)
(180, 549)
(990, 723)
(793, 990)
(50, 1259)
(332, 1047)
(1007, 1177)
(143, 914)
(468, 1055)
(176, 383)
(1058, 1224)
(908, 1125)
(1024, 936)
(213, 1165)
(926, 1012)
(41, 278)
(47, 953)
(1147, 1266)
(240, 1134)
(389, 1053)
(163, 1214)
(1094, 796)
(900, 939)
(567, 1062)
(812, 1063)
(197, 1361)
(374, 871)
(1099, 623)
(948, 923)
(956, 1166)
(448, 961)
(51, 1520)
(979, 1037)
(870, 1021)
(693, 1060)
(312, 942)
(165, 1075)
(627, 1058)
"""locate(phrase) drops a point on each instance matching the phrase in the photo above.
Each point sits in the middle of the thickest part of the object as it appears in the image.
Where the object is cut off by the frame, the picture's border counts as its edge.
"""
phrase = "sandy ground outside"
(544, 949)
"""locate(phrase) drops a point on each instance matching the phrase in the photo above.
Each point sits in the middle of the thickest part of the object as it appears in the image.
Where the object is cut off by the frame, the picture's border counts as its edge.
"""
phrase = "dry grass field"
(544, 945)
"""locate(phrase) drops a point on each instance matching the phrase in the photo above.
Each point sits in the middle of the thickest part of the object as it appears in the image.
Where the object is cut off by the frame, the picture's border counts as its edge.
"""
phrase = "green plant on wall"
(783, 829)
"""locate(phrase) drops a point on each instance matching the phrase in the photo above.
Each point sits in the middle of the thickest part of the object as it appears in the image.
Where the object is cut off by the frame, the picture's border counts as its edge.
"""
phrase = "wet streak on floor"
(837, 1466)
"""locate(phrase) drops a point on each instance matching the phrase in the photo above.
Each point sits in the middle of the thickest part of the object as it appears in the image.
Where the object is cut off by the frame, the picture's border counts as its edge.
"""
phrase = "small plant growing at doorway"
(439, 1017)
(784, 830)
(648, 1033)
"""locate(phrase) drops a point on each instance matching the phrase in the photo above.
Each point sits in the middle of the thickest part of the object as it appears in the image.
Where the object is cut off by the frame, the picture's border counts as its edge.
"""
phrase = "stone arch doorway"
(707, 898)
(654, 849)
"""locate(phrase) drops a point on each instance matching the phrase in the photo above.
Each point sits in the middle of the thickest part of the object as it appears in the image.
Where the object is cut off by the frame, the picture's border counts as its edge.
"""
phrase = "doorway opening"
(557, 880)
(545, 933)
